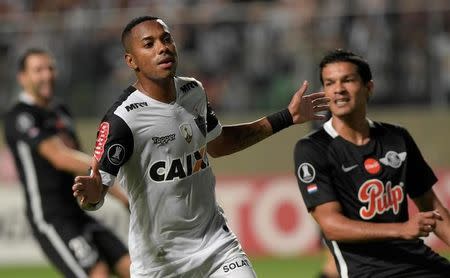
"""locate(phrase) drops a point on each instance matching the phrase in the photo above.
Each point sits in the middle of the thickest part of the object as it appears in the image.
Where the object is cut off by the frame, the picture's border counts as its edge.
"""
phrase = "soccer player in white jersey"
(155, 140)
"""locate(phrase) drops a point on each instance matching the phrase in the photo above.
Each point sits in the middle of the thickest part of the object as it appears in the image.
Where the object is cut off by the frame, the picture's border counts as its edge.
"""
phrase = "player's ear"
(129, 59)
(21, 78)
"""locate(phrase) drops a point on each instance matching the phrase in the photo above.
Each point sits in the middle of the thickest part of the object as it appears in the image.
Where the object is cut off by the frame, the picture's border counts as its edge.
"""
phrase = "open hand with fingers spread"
(420, 225)
(89, 189)
(304, 108)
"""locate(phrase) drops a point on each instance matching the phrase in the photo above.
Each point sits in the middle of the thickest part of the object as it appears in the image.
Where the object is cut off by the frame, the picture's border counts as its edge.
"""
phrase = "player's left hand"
(89, 189)
(304, 108)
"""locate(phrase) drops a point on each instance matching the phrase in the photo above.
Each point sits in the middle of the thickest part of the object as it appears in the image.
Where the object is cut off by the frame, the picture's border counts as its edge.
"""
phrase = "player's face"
(344, 86)
(38, 77)
(152, 52)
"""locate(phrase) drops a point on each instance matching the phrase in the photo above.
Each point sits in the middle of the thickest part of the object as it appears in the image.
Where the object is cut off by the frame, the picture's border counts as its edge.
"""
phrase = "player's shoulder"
(317, 141)
(21, 109)
(124, 100)
(389, 128)
(187, 84)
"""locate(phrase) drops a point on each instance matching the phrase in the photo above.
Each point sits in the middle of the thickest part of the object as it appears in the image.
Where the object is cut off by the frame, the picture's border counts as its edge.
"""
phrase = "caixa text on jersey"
(179, 167)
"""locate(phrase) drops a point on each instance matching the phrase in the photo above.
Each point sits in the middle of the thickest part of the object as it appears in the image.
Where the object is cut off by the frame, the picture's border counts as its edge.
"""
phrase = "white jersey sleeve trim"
(213, 134)
(107, 178)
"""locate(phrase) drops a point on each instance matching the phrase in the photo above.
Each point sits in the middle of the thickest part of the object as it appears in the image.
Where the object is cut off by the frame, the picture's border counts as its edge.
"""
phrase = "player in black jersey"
(41, 135)
(355, 175)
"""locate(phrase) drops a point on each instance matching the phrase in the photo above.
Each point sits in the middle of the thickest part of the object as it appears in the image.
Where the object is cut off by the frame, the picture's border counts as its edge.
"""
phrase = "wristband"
(92, 207)
(280, 120)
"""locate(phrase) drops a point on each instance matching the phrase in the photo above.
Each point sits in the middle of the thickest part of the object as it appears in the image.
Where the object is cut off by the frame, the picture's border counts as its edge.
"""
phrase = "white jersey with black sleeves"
(157, 151)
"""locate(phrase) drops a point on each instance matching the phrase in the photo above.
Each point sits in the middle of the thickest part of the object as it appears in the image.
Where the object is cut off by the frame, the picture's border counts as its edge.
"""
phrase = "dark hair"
(340, 55)
(29, 52)
(135, 21)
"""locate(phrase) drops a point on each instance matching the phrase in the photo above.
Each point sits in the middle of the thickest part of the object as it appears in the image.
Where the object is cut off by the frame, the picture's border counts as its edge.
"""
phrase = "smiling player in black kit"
(355, 175)
(40, 132)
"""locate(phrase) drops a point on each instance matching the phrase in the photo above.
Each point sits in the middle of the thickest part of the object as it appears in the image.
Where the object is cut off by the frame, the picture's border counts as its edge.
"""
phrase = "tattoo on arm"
(246, 135)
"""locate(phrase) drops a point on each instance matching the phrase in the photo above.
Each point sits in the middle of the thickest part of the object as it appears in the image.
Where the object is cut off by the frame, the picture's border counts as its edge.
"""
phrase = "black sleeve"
(114, 144)
(211, 118)
(313, 174)
(32, 126)
(419, 175)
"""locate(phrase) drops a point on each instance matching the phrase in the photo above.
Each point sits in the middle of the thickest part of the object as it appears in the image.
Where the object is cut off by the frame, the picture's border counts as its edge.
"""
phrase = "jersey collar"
(25, 98)
(333, 133)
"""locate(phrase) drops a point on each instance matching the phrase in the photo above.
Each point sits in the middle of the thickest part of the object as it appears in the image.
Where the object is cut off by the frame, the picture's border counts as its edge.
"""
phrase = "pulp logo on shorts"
(236, 264)
(306, 172)
(372, 166)
(116, 154)
(102, 136)
(179, 168)
(379, 198)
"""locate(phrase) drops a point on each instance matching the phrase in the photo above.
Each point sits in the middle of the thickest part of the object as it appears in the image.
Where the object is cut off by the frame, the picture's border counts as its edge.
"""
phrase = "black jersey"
(371, 183)
(47, 189)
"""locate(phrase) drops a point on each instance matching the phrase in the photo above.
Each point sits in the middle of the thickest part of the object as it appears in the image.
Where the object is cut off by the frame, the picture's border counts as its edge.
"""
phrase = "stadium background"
(250, 56)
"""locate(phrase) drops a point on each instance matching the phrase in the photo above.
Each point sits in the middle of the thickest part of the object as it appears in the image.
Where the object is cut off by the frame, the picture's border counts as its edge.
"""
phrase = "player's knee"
(122, 267)
(99, 270)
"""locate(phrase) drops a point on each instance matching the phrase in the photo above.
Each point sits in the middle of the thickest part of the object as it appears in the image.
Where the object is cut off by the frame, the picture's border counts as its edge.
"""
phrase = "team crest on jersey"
(116, 154)
(379, 198)
(393, 159)
(24, 122)
(186, 131)
(306, 172)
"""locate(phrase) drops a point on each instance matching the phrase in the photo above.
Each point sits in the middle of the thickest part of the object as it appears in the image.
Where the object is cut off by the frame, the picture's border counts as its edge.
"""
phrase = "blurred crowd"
(250, 55)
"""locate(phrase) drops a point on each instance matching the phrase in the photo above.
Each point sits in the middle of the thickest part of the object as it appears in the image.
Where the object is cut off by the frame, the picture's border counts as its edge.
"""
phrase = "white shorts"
(237, 267)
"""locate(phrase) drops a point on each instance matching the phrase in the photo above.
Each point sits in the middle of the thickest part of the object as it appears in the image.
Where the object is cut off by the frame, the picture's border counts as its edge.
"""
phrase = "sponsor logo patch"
(393, 159)
(234, 265)
(306, 172)
(102, 136)
(372, 166)
(179, 168)
(135, 106)
(379, 198)
(349, 168)
(116, 154)
(188, 86)
(163, 139)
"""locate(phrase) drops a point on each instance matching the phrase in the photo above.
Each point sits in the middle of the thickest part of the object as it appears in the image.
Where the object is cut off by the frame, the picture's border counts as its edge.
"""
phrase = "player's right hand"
(89, 189)
(421, 224)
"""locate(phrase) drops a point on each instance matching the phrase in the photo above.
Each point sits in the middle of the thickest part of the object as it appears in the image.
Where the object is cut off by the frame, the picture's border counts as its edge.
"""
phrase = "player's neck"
(162, 90)
(355, 130)
(38, 101)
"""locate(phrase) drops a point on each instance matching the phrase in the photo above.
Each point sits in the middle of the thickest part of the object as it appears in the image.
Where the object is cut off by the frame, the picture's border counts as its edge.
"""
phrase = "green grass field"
(295, 267)
(265, 268)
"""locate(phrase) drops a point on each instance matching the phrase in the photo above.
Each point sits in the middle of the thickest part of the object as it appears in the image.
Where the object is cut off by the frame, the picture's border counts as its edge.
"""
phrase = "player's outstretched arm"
(301, 109)
(338, 227)
(89, 190)
(429, 201)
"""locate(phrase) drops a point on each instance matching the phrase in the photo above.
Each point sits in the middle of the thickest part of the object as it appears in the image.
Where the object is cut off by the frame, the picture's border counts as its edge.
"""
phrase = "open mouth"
(341, 102)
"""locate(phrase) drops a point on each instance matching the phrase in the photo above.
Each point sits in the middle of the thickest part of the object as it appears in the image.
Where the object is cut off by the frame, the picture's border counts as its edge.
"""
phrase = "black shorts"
(75, 244)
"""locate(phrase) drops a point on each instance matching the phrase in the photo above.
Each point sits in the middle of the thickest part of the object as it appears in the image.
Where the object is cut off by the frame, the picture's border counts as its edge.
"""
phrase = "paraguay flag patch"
(312, 188)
